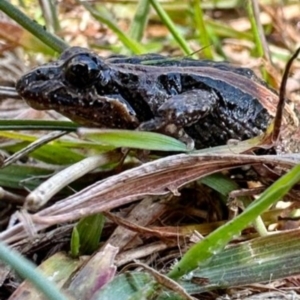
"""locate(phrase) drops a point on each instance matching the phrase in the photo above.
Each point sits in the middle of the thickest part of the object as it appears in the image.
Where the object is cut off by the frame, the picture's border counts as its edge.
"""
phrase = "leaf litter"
(161, 183)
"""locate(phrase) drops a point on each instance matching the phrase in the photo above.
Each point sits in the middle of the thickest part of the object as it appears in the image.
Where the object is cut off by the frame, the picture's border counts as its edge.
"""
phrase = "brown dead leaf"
(151, 179)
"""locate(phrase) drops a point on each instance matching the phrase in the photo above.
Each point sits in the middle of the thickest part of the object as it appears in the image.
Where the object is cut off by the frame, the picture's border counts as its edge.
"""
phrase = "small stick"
(282, 91)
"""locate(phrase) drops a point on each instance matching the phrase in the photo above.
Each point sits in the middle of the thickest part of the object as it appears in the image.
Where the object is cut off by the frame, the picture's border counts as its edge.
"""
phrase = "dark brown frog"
(197, 101)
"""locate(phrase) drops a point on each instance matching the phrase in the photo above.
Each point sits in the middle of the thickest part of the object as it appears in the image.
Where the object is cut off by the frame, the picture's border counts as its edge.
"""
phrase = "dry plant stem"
(144, 213)
(260, 226)
(283, 23)
(59, 234)
(256, 12)
(3, 221)
(282, 92)
(41, 195)
(247, 192)
(133, 227)
(33, 146)
(165, 281)
(25, 219)
(143, 251)
(11, 198)
(152, 178)
(8, 92)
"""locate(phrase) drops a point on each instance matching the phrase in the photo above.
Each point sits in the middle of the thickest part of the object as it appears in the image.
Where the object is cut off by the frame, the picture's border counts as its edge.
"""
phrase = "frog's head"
(68, 86)
(77, 70)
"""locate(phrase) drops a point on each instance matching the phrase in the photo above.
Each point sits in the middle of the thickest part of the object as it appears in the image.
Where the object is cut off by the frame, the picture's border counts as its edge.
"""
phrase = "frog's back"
(158, 60)
(127, 92)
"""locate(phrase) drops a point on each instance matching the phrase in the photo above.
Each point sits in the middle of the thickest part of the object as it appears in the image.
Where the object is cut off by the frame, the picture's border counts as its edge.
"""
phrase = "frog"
(200, 102)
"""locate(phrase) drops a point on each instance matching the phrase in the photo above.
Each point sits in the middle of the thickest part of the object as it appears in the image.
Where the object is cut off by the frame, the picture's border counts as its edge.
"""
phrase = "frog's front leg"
(182, 110)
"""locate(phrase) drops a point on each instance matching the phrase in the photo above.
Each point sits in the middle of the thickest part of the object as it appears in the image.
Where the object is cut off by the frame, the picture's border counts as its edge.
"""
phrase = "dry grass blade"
(159, 178)
(42, 194)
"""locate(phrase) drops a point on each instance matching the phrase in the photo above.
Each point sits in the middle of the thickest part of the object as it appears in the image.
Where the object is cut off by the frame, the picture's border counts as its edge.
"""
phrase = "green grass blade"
(139, 22)
(28, 270)
(106, 18)
(37, 30)
(205, 41)
(216, 241)
(224, 31)
(38, 125)
(254, 261)
(75, 243)
(50, 153)
(259, 37)
(50, 10)
(134, 139)
(89, 230)
(17, 176)
(172, 28)
(255, 30)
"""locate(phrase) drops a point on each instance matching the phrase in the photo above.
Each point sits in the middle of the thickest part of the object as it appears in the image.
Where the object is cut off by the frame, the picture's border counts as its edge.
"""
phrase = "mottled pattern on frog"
(197, 101)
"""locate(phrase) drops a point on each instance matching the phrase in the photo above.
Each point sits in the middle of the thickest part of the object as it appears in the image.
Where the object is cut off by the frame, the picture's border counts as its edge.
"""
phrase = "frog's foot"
(179, 133)
(180, 111)
(185, 138)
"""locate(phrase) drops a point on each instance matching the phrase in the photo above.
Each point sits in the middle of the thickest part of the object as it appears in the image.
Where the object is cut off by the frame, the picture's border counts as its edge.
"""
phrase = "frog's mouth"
(84, 106)
(43, 88)
(35, 85)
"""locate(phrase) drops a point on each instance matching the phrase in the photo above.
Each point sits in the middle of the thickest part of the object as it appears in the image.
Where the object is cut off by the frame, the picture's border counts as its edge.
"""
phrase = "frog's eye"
(82, 70)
